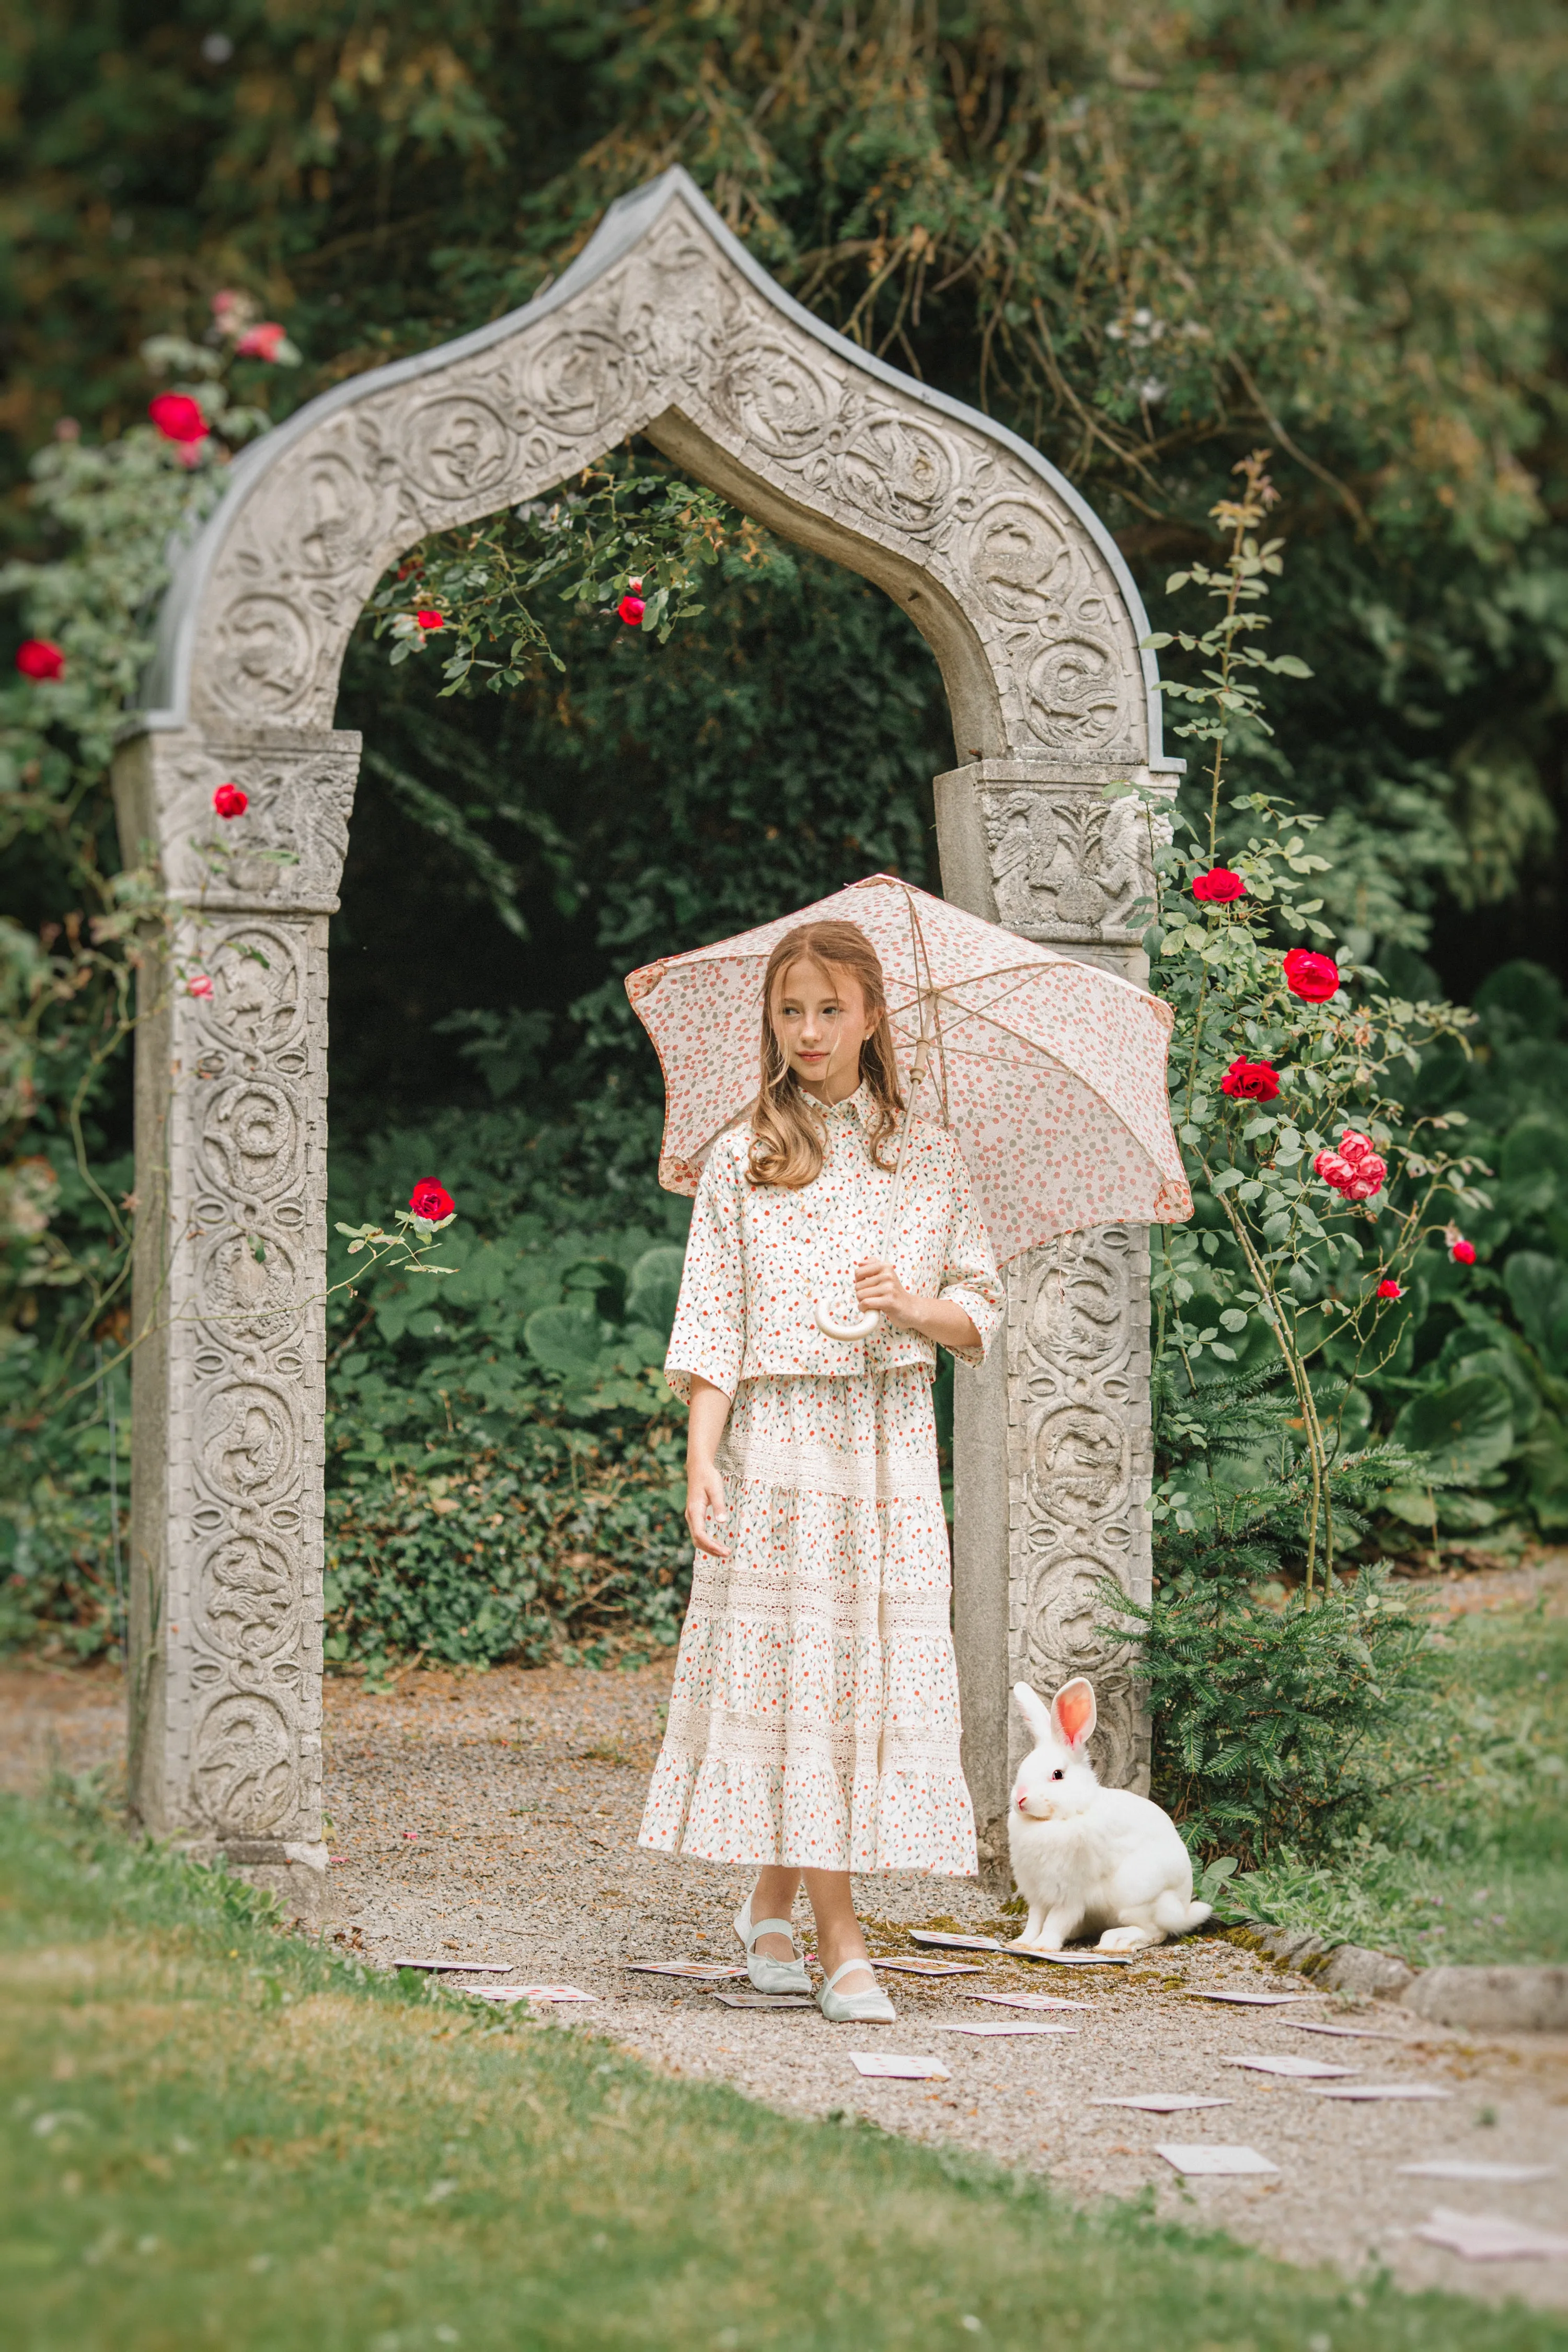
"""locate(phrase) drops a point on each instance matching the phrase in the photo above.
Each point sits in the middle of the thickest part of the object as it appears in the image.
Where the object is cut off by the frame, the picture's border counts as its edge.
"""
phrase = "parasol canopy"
(1050, 1073)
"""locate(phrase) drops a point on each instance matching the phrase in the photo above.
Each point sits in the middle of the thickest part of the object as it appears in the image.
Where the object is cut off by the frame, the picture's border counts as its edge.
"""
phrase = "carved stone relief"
(672, 325)
(1080, 1473)
(663, 326)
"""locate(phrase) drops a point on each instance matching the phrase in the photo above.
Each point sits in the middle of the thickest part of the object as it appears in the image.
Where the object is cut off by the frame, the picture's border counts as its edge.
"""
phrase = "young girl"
(813, 1723)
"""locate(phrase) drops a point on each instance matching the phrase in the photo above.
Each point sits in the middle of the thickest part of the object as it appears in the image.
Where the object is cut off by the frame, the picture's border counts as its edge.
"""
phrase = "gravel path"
(494, 1817)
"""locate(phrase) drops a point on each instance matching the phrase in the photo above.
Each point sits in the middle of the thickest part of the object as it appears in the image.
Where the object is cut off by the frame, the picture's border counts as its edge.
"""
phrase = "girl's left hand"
(877, 1285)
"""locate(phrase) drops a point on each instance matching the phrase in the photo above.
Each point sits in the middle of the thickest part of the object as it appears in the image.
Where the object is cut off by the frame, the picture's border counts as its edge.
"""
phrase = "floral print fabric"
(759, 1259)
(1049, 1072)
(814, 1720)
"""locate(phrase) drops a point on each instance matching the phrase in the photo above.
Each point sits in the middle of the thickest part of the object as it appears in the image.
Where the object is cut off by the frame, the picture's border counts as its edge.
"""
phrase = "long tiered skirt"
(814, 1720)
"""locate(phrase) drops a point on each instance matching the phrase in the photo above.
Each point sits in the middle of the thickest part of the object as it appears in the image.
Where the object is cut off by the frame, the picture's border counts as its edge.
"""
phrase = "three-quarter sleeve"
(709, 1336)
(968, 1276)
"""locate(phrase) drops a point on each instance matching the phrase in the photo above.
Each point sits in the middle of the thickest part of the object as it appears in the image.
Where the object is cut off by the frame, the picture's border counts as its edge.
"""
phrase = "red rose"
(430, 620)
(631, 609)
(1250, 1081)
(229, 801)
(1387, 1289)
(1312, 977)
(40, 658)
(1219, 885)
(431, 1201)
(178, 418)
(1462, 1252)
(261, 342)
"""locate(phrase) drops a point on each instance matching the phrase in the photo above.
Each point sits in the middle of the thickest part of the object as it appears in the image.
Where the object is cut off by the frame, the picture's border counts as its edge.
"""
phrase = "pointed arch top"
(665, 326)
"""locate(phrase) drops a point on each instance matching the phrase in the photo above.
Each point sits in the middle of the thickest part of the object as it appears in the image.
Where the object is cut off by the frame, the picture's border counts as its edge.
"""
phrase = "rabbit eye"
(1059, 1774)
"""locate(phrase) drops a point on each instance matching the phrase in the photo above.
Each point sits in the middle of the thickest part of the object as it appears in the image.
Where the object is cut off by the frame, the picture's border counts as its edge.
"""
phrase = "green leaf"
(1464, 1428)
(564, 1339)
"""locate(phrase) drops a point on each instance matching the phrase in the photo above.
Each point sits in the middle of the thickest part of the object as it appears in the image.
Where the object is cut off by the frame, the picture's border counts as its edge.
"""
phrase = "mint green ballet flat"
(872, 2008)
(770, 1976)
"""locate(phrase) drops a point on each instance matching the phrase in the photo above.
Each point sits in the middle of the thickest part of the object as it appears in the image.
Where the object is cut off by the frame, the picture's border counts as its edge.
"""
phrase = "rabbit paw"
(1128, 1940)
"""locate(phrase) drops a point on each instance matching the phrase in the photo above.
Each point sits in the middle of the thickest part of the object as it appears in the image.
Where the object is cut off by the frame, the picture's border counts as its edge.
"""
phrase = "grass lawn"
(1467, 1860)
(216, 2135)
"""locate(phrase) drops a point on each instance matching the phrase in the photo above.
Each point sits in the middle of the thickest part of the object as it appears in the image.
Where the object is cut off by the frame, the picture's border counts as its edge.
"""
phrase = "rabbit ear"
(1034, 1710)
(1073, 1711)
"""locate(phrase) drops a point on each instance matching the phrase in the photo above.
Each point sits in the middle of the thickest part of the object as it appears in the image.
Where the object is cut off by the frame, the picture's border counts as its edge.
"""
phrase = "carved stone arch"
(665, 326)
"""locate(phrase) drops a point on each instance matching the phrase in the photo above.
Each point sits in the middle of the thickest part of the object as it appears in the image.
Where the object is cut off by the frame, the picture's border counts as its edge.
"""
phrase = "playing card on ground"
(1021, 2000)
(1073, 1959)
(1211, 2157)
(1379, 2090)
(926, 1967)
(940, 1941)
(765, 1999)
(889, 2065)
(1300, 2070)
(705, 1971)
(527, 1993)
(1003, 2025)
(1165, 2103)
(1245, 1999)
(458, 1968)
(1472, 2168)
(1346, 2032)
(1491, 2237)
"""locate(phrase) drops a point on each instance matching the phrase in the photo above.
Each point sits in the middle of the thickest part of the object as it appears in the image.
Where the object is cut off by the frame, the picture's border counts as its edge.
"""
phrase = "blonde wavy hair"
(788, 1142)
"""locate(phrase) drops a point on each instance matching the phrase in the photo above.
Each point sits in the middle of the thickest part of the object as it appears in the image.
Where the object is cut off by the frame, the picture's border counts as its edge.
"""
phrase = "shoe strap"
(849, 1967)
(761, 1927)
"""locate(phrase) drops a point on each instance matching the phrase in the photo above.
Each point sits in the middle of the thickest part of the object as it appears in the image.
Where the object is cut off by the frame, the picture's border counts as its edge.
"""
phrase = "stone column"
(230, 1272)
(1053, 1464)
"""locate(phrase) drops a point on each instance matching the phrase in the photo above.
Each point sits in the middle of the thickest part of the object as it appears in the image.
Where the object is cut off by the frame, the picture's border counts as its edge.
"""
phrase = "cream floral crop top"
(760, 1258)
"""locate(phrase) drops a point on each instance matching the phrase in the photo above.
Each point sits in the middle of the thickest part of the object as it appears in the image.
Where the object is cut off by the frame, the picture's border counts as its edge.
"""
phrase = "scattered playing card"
(765, 1999)
(926, 1968)
(1210, 2157)
(1001, 2025)
(1299, 2070)
(704, 1971)
(1165, 2103)
(1072, 1960)
(1245, 1999)
(1489, 2236)
(1471, 2168)
(888, 2064)
(1381, 2090)
(1020, 2000)
(945, 1943)
(458, 1968)
(526, 1992)
(1346, 2032)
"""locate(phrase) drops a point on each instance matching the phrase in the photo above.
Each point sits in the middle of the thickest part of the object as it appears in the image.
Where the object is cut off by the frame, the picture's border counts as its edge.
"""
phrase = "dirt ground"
(493, 1817)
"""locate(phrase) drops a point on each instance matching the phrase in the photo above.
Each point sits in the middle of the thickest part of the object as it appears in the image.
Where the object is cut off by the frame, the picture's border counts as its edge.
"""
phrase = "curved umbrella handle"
(861, 1328)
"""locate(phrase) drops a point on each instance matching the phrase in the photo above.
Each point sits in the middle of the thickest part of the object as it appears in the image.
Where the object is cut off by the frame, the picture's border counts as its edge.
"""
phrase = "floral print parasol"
(1050, 1073)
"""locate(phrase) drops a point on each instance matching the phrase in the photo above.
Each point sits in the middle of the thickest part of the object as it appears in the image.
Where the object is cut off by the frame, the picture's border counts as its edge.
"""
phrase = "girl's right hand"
(704, 1501)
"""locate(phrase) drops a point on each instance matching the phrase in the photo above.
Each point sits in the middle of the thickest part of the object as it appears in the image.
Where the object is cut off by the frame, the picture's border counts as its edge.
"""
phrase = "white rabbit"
(1089, 1859)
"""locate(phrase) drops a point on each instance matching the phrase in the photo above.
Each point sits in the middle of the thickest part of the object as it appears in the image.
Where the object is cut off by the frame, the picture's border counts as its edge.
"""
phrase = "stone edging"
(1501, 1999)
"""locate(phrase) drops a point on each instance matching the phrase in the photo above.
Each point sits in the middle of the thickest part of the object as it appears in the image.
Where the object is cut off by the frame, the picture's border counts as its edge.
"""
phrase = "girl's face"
(819, 1021)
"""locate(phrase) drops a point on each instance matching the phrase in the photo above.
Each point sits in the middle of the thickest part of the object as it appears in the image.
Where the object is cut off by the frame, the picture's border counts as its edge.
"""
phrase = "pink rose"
(1354, 1146)
(261, 342)
(198, 984)
(1332, 1170)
